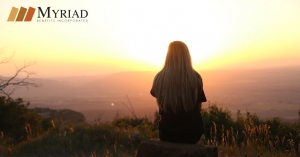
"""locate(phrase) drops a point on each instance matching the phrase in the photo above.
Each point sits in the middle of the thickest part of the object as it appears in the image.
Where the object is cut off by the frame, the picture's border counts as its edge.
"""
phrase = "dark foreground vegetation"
(23, 132)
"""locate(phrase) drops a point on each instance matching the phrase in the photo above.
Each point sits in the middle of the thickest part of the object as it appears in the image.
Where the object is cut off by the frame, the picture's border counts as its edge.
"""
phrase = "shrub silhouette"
(246, 135)
(17, 122)
(216, 119)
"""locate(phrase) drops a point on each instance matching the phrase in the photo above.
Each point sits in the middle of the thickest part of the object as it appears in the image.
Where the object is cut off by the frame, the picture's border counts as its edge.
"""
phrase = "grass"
(258, 142)
(122, 136)
(118, 138)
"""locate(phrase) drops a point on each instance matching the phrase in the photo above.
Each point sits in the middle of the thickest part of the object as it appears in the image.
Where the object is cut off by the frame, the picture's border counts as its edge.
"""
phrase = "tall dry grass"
(259, 142)
(122, 136)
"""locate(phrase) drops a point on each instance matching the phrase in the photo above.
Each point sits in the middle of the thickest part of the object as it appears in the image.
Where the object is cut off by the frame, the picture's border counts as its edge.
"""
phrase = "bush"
(17, 122)
(247, 135)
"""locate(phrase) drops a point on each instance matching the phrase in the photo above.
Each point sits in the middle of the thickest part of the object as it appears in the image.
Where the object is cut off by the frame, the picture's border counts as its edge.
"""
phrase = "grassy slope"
(122, 136)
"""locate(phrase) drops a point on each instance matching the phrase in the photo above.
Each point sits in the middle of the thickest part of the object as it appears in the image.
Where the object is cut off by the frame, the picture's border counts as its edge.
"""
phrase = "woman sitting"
(178, 90)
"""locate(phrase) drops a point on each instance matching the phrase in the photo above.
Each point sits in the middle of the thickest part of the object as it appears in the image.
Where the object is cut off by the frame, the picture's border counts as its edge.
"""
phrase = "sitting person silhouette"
(178, 90)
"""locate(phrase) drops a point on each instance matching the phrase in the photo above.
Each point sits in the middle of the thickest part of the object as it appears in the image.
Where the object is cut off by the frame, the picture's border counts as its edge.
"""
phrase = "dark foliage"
(17, 122)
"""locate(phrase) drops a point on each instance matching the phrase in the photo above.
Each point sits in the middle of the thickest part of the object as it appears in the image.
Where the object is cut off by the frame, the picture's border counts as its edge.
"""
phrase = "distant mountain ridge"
(267, 91)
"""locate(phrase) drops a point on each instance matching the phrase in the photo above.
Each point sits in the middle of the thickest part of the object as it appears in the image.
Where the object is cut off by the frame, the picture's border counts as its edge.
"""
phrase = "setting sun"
(134, 35)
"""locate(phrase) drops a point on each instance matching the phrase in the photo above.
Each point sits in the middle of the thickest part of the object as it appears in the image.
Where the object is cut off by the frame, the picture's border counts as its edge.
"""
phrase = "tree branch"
(17, 80)
(6, 59)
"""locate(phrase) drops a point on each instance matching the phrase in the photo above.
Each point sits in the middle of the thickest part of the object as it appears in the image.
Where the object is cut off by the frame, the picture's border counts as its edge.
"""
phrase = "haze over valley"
(267, 92)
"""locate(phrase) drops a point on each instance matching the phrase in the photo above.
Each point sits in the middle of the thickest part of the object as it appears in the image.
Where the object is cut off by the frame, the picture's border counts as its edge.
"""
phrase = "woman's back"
(178, 90)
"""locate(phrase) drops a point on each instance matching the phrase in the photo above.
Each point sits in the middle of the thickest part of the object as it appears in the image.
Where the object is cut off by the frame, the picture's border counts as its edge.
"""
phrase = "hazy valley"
(268, 92)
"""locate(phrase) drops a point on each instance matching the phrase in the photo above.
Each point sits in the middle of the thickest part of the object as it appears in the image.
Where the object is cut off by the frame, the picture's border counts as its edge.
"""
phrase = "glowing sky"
(124, 35)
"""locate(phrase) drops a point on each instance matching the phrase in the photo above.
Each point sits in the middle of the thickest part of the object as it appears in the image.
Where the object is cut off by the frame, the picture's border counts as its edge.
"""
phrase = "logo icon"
(21, 15)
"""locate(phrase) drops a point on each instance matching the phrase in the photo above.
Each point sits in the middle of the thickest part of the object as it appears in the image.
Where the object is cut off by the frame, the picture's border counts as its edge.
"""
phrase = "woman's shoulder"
(157, 74)
(197, 74)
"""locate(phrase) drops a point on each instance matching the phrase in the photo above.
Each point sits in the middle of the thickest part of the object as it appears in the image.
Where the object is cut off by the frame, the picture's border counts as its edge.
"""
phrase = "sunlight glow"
(134, 35)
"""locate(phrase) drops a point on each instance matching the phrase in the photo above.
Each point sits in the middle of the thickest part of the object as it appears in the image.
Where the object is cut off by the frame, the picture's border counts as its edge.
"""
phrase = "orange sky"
(134, 35)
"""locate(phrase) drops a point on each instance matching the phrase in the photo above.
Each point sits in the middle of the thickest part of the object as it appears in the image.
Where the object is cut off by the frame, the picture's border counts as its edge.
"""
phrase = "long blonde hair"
(176, 85)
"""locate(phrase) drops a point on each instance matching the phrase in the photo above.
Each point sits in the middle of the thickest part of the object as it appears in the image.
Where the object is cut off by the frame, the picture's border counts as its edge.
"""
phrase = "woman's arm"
(200, 106)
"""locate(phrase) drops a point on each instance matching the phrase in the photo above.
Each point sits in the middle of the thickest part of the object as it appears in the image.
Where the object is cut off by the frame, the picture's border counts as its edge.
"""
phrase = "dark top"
(182, 127)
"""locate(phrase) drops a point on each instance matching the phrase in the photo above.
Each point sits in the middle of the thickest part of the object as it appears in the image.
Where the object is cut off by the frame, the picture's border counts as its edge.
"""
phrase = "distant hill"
(268, 92)
(63, 115)
(123, 82)
(49, 88)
